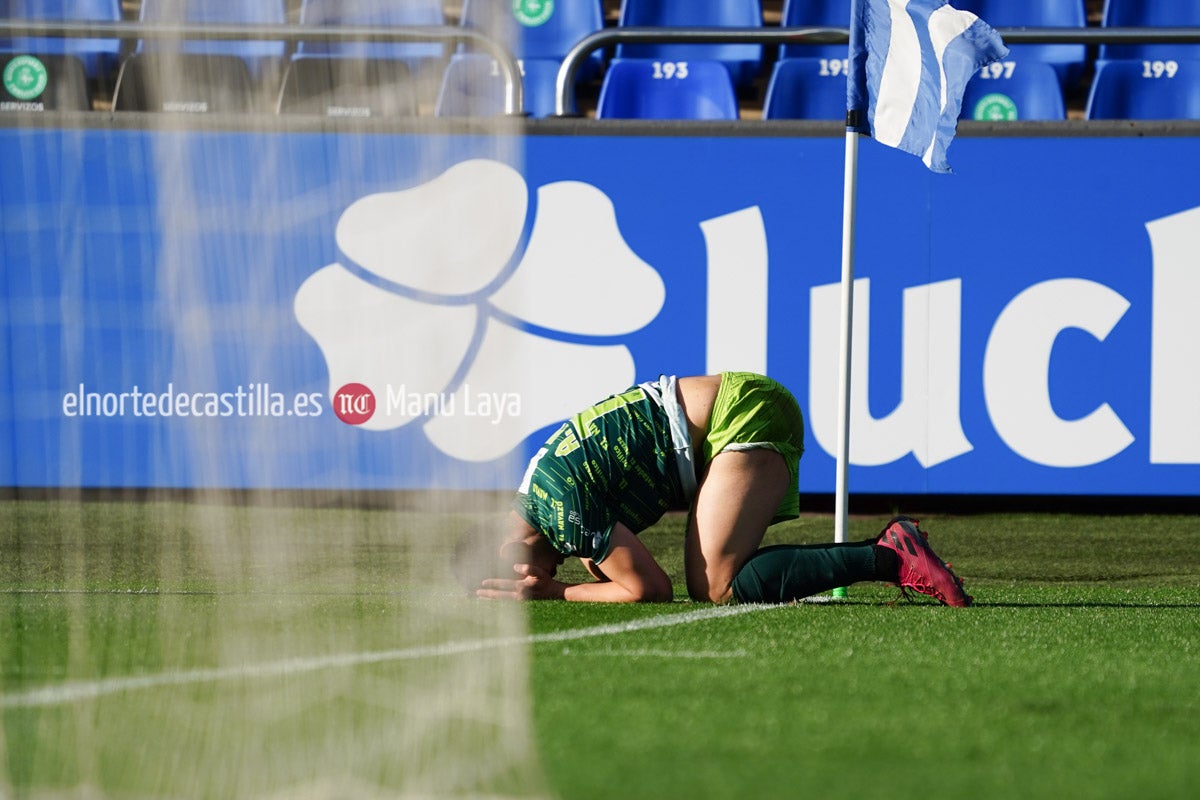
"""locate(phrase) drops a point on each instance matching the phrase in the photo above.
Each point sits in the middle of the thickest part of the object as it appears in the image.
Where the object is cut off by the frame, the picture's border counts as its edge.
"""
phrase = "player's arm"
(630, 574)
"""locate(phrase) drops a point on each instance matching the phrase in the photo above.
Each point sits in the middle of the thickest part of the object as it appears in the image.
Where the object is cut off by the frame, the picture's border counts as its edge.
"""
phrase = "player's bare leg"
(734, 505)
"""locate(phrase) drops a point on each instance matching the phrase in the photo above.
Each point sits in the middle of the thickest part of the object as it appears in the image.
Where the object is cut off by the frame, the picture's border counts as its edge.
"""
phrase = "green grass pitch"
(174, 650)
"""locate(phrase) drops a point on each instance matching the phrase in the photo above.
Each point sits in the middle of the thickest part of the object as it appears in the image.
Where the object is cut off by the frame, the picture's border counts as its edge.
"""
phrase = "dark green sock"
(786, 572)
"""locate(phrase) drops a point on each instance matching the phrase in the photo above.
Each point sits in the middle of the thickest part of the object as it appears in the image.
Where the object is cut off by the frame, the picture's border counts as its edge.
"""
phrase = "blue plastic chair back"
(1007, 92)
(806, 88)
(348, 87)
(5, 13)
(246, 12)
(743, 61)
(540, 86)
(99, 56)
(59, 81)
(172, 81)
(651, 89)
(1067, 59)
(544, 32)
(815, 13)
(372, 13)
(1137, 89)
(550, 33)
(1151, 14)
(473, 86)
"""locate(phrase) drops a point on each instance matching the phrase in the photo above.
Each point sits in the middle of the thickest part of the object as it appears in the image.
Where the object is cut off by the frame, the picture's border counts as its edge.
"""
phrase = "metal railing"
(507, 63)
(450, 35)
(610, 37)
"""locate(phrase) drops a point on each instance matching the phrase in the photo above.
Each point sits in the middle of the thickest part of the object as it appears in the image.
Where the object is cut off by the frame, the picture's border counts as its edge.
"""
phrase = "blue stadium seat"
(43, 83)
(1151, 14)
(473, 87)
(1067, 59)
(806, 88)
(744, 61)
(815, 13)
(1020, 90)
(99, 56)
(348, 87)
(550, 35)
(373, 13)
(635, 88)
(539, 41)
(263, 58)
(425, 62)
(183, 82)
(539, 77)
(1138, 89)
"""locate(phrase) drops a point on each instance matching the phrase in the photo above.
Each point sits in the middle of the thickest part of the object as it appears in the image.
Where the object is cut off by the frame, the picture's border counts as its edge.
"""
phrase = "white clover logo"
(430, 306)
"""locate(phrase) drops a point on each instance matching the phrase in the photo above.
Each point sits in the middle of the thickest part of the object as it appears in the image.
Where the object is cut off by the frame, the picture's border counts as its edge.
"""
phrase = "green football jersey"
(613, 462)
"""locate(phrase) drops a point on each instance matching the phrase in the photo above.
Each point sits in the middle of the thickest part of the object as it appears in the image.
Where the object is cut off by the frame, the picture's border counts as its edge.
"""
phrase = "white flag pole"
(849, 205)
(856, 109)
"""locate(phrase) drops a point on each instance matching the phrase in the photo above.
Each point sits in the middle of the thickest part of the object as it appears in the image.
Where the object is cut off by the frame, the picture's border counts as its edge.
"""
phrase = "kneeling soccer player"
(725, 446)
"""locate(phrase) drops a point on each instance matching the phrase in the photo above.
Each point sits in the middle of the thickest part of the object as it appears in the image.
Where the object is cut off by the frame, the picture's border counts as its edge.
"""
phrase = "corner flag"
(910, 61)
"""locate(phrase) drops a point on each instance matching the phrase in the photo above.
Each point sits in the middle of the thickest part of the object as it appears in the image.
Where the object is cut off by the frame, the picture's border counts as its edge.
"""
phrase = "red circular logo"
(354, 403)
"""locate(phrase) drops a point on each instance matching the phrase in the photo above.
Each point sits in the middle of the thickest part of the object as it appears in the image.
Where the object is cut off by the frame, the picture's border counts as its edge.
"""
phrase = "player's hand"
(532, 583)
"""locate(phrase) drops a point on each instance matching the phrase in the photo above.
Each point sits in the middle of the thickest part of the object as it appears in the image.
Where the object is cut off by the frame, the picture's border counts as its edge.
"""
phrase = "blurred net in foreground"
(215, 648)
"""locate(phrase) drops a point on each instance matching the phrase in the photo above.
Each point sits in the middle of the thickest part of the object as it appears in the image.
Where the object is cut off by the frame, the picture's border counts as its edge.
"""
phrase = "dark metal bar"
(291, 33)
(1100, 35)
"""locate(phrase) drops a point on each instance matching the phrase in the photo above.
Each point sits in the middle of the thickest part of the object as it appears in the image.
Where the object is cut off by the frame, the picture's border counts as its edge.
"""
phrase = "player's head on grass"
(495, 547)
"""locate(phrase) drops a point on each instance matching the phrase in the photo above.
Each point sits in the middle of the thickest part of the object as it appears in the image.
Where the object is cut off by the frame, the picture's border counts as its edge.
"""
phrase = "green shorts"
(751, 412)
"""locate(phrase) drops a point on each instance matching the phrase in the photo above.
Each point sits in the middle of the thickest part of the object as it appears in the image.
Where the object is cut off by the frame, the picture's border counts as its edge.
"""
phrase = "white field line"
(87, 690)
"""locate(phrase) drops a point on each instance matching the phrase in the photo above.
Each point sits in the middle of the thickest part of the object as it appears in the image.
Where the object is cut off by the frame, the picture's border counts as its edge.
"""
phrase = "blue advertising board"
(340, 310)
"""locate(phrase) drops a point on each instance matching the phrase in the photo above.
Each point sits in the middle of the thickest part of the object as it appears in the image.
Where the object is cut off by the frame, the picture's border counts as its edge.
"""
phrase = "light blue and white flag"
(910, 61)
